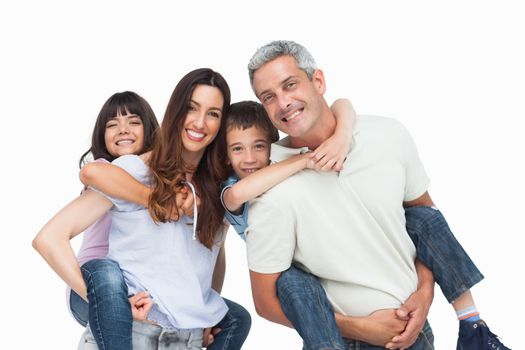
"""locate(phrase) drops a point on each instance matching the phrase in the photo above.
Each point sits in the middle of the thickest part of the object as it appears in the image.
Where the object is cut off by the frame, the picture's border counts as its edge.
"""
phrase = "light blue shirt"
(238, 221)
(164, 260)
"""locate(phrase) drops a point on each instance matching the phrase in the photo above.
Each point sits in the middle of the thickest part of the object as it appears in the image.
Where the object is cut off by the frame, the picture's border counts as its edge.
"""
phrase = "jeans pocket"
(87, 341)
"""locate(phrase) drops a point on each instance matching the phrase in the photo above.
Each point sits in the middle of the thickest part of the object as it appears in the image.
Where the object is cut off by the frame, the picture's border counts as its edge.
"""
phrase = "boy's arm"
(331, 154)
(262, 180)
(52, 241)
(115, 182)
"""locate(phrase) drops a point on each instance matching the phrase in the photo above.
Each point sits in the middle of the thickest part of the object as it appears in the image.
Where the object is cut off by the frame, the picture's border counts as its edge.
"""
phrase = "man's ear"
(319, 82)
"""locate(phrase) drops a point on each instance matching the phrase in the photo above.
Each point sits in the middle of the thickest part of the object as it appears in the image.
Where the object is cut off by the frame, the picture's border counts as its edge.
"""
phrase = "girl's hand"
(141, 304)
(184, 204)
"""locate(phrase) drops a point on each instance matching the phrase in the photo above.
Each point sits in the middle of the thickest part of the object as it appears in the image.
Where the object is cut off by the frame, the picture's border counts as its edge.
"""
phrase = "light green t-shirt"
(347, 228)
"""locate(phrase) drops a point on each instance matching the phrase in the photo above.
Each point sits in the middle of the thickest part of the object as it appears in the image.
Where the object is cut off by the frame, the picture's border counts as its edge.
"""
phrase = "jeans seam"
(333, 342)
(229, 335)
(425, 338)
(95, 308)
(436, 218)
(465, 284)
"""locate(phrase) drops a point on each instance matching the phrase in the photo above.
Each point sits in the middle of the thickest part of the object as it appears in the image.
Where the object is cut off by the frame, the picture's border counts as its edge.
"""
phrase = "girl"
(126, 124)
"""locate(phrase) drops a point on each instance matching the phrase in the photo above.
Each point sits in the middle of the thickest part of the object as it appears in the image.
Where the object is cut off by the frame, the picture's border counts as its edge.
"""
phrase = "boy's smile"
(248, 150)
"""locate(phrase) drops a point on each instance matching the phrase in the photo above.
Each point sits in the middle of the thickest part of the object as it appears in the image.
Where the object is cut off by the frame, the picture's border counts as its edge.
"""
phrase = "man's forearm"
(425, 278)
(377, 328)
(350, 327)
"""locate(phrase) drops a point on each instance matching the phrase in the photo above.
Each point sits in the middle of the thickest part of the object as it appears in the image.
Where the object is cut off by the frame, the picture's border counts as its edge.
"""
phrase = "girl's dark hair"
(167, 165)
(123, 103)
(245, 114)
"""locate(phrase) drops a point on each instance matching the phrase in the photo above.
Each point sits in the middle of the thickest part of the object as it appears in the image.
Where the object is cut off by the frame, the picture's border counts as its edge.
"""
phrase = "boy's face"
(248, 150)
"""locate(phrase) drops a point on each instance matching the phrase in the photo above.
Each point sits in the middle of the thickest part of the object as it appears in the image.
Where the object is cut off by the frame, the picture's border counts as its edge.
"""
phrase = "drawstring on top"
(195, 212)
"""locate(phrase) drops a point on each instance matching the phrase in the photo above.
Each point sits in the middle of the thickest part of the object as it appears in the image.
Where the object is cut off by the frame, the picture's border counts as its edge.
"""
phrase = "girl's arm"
(262, 180)
(53, 240)
(118, 183)
(331, 154)
(115, 182)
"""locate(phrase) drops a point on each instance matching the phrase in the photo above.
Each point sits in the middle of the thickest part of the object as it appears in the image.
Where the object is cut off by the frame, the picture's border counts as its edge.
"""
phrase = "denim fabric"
(425, 341)
(79, 308)
(109, 310)
(147, 336)
(235, 327)
(304, 302)
(438, 249)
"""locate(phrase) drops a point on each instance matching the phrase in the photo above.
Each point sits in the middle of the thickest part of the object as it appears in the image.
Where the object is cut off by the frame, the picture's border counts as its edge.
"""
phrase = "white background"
(451, 71)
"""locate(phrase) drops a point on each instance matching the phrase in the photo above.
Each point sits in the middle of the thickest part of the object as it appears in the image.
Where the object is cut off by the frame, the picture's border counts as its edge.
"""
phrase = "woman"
(161, 256)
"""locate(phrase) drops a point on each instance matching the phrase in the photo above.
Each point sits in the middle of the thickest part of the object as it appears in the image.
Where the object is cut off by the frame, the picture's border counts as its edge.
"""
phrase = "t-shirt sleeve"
(417, 180)
(270, 236)
(134, 166)
(238, 221)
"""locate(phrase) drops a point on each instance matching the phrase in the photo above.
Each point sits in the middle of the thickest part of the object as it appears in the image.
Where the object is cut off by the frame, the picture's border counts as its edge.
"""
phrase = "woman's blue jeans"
(109, 312)
(305, 303)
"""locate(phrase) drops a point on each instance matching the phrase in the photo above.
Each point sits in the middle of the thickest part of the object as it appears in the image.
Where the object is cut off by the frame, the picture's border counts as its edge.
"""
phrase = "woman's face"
(202, 122)
(124, 134)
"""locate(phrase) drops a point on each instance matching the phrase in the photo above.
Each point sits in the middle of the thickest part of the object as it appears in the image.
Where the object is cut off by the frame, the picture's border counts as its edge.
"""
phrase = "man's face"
(292, 101)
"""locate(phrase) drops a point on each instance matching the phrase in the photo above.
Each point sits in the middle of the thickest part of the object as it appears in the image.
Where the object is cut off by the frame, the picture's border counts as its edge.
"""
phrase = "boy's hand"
(141, 304)
(331, 154)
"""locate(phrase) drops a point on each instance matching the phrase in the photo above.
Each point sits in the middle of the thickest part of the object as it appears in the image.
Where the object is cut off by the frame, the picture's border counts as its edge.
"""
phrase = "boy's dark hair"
(245, 114)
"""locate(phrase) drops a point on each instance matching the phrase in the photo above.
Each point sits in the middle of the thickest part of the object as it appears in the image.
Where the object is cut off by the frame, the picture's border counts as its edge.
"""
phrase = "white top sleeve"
(417, 180)
(270, 237)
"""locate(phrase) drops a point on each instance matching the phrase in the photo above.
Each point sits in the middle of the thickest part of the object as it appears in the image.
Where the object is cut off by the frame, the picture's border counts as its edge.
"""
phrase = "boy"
(249, 134)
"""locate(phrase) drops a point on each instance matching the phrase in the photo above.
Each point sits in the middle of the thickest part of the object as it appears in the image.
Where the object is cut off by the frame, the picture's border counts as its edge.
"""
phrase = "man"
(348, 229)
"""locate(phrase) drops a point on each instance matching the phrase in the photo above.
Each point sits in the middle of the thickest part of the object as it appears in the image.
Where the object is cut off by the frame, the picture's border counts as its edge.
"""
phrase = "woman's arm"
(331, 154)
(262, 180)
(53, 240)
(115, 182)
(220, 271)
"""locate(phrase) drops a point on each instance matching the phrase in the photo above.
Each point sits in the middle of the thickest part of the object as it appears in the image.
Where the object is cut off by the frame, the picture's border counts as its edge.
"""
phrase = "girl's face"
(124, 135)
(202, 122)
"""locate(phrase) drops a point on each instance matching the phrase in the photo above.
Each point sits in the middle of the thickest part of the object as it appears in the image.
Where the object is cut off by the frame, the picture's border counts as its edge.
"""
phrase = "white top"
(346, 228)
(165, 260)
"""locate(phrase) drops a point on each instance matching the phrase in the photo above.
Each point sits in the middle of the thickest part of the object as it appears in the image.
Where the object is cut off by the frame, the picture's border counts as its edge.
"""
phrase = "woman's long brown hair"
(169, 169)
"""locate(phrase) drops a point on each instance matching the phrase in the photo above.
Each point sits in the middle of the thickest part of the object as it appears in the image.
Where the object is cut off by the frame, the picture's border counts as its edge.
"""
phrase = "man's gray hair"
(278, 48)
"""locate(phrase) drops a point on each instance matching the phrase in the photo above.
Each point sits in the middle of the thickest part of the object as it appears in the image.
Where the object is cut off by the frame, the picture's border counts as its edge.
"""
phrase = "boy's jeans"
(110, 317)
(305, 303)
(439, 250)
